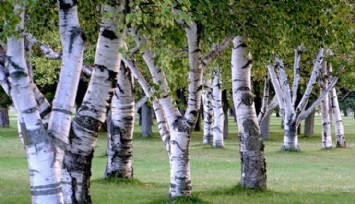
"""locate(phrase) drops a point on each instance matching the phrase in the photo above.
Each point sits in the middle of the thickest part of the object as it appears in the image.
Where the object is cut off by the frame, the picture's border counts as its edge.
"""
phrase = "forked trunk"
(326, 127)
(120, 134)
(253, 165)
(92, 112)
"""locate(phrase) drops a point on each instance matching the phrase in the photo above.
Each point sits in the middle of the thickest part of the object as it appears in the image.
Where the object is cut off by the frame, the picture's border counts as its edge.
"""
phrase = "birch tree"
(208, 118)
(120, 129)
(338, 126)
(253, 165)
(93, 110)
(292, 115)
(326, 122)
(44, 147)
(218, 139)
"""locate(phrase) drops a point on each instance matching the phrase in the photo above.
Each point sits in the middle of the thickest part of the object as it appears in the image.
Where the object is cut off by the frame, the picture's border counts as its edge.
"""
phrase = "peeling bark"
(93, 110)
(253, 165)
(218, 139)
(326, 127)
(41, 156)
(208, 118)
(120, 129)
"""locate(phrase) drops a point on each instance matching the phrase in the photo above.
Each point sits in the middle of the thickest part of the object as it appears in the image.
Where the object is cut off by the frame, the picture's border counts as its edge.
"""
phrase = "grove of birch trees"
(203, 47)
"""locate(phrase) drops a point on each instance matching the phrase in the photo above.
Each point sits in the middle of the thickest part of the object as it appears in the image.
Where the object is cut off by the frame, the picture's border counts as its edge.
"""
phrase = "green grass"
(310, 176)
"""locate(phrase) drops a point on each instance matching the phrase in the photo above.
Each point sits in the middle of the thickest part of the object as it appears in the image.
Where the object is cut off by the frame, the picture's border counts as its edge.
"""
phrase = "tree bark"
(93, 110)
(44, 170)
(253, 165)
(4, 117)
(326, 128)
(218, 113)
(339, 127)
(120, 130)
(147, 121)
(225, 111)
(309, 124)
(208, 118)
(265, 127)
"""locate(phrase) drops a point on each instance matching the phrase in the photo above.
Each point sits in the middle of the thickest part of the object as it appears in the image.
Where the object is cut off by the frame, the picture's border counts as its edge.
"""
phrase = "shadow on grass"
(120, 181)
(194, 199)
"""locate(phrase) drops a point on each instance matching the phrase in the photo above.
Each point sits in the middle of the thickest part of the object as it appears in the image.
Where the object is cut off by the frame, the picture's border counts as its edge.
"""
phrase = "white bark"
(158, 110)
(296, 73)
(217, 111)
(312, 80)
(93, 110)
(335, 109)
(47, 51)
(326, 124)
(292, 115)
(253, 165)
(41, 156)
(63, 104)
(208, 118)
(339, 127)
(120, 134)
(265, 100)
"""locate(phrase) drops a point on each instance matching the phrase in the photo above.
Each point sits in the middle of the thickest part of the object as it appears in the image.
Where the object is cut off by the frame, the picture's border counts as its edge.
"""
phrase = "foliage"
(4, 99)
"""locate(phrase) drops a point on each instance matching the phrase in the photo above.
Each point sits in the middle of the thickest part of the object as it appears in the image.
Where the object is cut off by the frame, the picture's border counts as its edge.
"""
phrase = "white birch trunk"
(158, 110)
(253, 165)
(41, 156)
(326, 124)
(335, 109)
(208, 118)
(218, 111)
(120, 134)
(93, 110)
(339, 127)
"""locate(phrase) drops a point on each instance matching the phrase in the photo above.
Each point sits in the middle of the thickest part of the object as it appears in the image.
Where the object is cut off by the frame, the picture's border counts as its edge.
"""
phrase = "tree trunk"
(309, 124)
(147, 121)
(208, 118)
(225, 111)
(93, 111)
(4, 117)
(265, 127)
(253, 165)
(326, 128)
(44, 170)
(120, 134)
(199, 118)
(339, 128)
(290, 136)
(217, 111)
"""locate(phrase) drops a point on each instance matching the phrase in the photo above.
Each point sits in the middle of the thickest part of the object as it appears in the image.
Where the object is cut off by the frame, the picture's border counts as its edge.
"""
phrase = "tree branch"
(216, 51)
(305, 114)
(47, 51)
(296, 73)
(277, 88)
(284, 84)
(302, 105)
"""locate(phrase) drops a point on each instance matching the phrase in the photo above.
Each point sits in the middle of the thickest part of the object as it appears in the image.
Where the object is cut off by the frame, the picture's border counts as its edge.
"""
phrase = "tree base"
(341, 145)
(285, 148)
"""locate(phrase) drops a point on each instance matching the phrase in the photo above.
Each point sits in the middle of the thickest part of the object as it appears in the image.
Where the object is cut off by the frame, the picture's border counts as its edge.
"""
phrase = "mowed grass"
(310, 176)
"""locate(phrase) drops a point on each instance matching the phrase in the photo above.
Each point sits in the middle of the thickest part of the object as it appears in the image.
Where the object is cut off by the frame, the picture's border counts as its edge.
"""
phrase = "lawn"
(310, 176)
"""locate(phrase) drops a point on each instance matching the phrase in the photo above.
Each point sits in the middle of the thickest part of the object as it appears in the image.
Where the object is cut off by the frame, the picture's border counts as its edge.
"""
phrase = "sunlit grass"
(312, 175)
